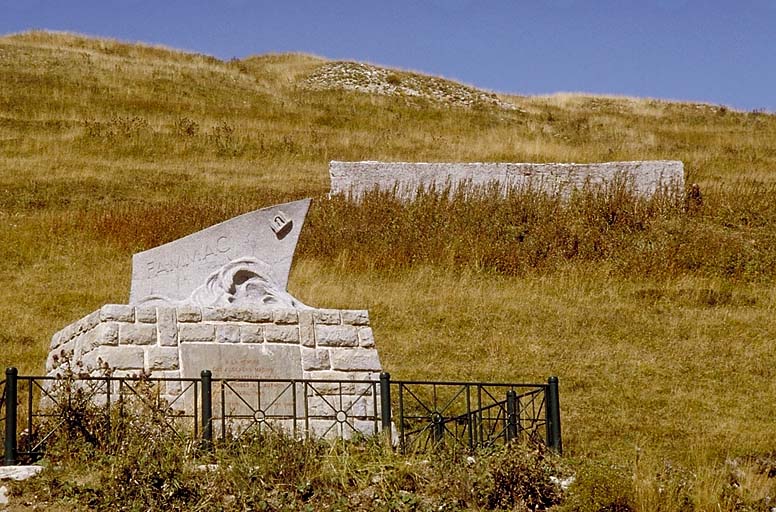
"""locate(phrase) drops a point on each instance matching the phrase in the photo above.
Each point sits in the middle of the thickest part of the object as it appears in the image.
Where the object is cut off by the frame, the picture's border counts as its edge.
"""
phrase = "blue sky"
(714, 51)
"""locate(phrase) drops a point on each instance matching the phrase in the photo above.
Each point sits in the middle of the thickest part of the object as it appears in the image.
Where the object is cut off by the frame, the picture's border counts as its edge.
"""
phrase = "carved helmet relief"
(281, 225)
(241, 282)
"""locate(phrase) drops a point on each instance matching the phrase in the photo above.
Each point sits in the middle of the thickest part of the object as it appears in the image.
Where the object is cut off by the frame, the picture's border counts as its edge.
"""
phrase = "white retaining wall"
(646, 177)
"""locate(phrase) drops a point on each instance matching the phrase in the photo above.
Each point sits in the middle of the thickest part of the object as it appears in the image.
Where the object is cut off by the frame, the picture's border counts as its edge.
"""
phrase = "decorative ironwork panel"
(469, 415)
(327, 409)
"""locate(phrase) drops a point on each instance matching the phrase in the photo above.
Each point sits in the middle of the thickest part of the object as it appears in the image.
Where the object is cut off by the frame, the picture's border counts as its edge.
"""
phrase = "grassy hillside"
(660, 321)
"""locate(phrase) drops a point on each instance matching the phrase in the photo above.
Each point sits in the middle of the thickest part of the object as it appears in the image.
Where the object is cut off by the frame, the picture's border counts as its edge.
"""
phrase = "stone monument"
(262, 241)
(217, 300)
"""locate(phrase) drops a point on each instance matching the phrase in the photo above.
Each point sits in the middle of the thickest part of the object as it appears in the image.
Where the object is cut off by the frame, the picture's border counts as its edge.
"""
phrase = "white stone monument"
(217, 300)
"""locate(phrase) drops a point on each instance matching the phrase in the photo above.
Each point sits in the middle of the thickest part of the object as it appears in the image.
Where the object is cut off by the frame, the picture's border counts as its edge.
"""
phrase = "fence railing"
(414, 415)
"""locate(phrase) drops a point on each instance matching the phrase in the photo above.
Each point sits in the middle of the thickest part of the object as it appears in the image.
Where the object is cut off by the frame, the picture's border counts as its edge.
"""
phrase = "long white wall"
(645, 177)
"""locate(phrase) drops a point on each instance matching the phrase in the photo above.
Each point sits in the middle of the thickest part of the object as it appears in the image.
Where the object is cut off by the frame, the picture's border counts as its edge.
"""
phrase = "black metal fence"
(414, 415)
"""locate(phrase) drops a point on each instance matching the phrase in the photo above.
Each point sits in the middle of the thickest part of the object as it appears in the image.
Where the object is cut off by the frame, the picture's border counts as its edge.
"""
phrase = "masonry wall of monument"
(134, 338)
(217, 300)
(249, 342)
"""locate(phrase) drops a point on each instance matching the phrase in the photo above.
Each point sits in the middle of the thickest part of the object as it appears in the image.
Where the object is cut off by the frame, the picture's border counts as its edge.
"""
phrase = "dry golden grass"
(663, 345)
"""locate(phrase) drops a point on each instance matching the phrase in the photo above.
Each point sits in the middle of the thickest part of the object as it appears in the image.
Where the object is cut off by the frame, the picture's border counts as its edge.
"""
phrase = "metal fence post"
(554, 441)
(511, 415)
(385, 403)
(437, 427)
(10, 415)
(207, 408)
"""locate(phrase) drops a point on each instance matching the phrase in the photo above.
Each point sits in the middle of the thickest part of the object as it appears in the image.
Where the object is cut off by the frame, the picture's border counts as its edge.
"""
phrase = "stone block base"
(233, 343)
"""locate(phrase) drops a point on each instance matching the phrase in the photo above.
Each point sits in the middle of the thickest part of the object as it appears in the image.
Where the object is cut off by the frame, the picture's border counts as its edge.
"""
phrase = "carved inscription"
(246, 362)
(244, 368)
(209, 252)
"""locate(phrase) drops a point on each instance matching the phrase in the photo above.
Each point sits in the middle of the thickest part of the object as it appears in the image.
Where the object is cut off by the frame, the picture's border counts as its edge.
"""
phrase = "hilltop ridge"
(101, 98)
(313, 71)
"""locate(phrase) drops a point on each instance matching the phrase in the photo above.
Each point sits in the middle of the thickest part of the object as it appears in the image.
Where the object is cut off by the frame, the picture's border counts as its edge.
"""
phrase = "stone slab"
(306, 328)
(281, 333)
(355, 317)
(357, 178)
(167, 327)
(355, 360)
(336, 335)
(174, 270)
(326, 316)
(146, 315)
(125, 357)
(228, 333)
(246, 361)
(19, 472)
(251, 334)
(162, 358)
(117, 312)
(196, 333)
(137, 334)
(315, 359)
(366, 338)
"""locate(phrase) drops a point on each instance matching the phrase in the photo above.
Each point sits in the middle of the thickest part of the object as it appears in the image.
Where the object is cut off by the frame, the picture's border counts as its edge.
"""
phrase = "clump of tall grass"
(136, 226)
(524, 231)
(528, 230)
